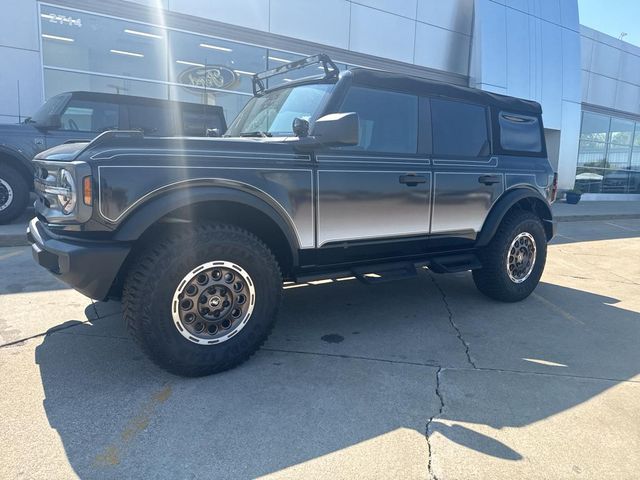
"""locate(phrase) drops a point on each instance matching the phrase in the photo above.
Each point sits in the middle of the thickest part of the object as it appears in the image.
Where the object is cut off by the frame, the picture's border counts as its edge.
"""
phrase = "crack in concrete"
(431, 419)
(453, 323)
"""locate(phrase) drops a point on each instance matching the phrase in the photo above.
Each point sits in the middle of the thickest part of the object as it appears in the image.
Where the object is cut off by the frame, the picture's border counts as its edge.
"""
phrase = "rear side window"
(153, 120)
(388, 120)
(519, 133)
(459, 129)
(195, 124)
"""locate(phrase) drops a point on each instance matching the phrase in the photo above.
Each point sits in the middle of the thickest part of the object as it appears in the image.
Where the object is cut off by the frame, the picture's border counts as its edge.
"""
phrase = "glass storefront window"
(205, 62)
(92, 52)
(595, 127)
(103, 45)
(58, 81)
(608, 155)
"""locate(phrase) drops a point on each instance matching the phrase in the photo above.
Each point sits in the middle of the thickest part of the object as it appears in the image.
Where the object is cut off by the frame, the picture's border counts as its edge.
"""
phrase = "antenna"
(19, 113)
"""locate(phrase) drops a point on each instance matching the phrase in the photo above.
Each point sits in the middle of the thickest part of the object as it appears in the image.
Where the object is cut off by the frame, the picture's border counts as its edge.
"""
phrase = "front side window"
(459, 129)
(89, 116)
(272, 114)
(388, 120)
(519, 133)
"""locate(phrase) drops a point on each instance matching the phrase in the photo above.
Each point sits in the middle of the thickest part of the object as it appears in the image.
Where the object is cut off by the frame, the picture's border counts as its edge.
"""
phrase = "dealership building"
(588, 83)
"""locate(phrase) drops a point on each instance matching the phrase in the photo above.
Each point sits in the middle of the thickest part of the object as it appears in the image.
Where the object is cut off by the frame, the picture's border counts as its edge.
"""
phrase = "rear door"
(467, 177)
(379, 189)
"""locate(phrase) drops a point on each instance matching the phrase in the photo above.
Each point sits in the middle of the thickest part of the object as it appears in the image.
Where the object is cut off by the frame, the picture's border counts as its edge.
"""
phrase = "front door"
(381, 188)
(84, 120)
(467, 178)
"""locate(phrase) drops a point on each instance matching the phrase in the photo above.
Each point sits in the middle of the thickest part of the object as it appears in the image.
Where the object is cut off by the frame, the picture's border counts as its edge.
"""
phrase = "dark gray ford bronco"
(81, 116)
(360, 173)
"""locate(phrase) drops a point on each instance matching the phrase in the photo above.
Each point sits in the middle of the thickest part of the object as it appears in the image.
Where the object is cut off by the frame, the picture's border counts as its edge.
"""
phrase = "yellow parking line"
(557, 309)
(11, 254)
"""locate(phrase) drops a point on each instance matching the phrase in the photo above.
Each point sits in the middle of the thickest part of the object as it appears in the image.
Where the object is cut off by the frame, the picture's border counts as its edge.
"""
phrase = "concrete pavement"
(413, 379)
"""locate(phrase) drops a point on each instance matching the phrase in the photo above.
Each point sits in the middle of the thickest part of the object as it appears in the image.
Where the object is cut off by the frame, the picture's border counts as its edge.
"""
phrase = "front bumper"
(89, 267)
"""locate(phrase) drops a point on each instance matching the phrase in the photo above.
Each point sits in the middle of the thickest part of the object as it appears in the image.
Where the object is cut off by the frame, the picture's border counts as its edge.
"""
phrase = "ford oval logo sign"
(211, 76)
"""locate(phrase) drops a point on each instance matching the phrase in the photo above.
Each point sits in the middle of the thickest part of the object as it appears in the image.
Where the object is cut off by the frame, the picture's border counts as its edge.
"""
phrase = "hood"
(66, 152)
(7, 129)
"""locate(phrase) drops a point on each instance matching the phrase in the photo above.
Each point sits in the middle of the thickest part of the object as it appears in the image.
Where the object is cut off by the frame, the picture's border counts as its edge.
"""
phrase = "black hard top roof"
(119, 98)
(423, 86)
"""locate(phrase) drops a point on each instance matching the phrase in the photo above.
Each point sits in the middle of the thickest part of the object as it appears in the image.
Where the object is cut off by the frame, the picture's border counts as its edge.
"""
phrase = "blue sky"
(612, 17)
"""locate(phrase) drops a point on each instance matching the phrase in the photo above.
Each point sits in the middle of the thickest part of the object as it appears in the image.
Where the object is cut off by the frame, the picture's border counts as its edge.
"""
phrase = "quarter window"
(388, 120)
(459, 129)
(520, 133)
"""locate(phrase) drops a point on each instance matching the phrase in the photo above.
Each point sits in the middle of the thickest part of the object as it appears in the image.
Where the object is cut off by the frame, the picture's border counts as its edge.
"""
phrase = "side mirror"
(300, 127)
(337, 129)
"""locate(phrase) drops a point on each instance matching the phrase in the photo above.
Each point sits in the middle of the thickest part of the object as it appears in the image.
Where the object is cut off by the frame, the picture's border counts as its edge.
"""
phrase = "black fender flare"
(24, 164)
(504, 204)
(167, 201)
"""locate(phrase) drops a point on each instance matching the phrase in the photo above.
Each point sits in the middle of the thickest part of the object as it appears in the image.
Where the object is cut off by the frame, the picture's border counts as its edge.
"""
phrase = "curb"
(591, 218)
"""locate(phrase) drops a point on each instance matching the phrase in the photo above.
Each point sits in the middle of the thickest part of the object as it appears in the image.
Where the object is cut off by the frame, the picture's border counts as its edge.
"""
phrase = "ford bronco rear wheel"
(202, 301)
(513, 262)
(14, 193)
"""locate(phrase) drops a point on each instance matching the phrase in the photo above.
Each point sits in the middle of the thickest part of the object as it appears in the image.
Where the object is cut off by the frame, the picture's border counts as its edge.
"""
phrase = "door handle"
(489, 179)
(412, 180)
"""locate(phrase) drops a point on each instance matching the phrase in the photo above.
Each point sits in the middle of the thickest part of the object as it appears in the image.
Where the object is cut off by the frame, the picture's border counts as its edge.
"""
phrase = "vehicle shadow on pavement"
(357, 402)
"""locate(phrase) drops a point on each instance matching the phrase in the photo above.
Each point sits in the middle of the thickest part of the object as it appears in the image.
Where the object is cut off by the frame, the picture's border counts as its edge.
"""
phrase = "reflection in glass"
(621, 131)
(595, 127)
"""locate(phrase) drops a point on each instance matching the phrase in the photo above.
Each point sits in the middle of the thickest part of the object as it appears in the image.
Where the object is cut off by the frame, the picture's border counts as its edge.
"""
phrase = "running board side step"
(385, 272)
(455, 263)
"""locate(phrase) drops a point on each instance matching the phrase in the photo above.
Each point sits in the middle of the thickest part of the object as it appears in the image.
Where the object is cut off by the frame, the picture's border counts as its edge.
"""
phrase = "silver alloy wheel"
(6, 194)
(213, 302)
(521, 257)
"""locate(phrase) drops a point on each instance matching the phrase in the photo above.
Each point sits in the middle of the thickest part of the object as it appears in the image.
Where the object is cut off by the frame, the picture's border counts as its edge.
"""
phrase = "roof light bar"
(330, 71)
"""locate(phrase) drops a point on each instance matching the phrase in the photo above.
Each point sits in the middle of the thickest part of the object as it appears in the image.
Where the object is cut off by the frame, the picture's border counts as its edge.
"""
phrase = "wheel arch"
(14, 158)
(523, 198)
(213, 203)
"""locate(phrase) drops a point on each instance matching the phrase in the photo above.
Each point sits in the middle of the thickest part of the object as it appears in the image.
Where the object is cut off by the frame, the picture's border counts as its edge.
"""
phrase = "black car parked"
(81, 116)
(361, 173)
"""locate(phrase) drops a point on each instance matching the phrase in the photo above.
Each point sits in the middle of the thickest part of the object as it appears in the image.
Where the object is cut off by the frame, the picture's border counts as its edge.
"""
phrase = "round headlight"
(67, 200)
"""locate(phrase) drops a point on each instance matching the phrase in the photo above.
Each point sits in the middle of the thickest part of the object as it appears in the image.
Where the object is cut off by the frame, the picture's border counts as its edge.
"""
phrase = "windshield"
(51, 106)
(272, 114)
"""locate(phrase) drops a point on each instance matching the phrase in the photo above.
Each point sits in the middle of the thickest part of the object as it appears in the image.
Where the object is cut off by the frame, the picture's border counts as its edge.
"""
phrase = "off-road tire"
(19, 189)
(493, 279)
(156, 273)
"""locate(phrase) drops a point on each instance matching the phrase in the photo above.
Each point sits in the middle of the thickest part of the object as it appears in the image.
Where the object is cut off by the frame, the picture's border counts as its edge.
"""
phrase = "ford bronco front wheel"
(202, 301)
(513, 262)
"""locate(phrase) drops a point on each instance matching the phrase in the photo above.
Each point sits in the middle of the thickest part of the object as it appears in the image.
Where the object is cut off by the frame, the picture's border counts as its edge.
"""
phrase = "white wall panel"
(381, 34)
(549, 10)
(630, 68)
(489, 53)
(601, 91)
(452, 54)
(19, 25)
(405, 8)
(325, 22)
(569, 15)
(246, 13)
(586, 51)
(25, 67)
(518, 54)
(627, 98)
(569, 135)
(571, 73)
(456, 15)
(551, 92)
(605, 60)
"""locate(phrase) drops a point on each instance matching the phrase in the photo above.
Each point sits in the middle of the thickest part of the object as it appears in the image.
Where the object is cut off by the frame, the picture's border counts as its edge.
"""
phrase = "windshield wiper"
(256, 134)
